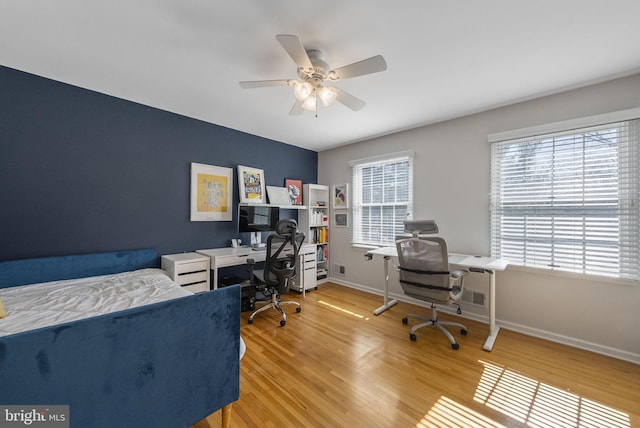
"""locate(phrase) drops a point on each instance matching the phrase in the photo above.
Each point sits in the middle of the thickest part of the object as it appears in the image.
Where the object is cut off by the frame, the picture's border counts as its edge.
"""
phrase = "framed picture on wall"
(294, 188)
(341, 219)
(211, 188)
(340, 196)
(251, 185)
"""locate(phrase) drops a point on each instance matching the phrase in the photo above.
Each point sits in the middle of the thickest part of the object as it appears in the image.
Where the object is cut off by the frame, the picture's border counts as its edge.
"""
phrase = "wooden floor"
(335, 364)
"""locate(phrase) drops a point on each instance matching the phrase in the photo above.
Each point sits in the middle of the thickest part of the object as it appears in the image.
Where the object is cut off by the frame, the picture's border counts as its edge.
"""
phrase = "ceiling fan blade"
(296, 50)
(360, 68)
(348, 100)
(297, 109)
(263, 83)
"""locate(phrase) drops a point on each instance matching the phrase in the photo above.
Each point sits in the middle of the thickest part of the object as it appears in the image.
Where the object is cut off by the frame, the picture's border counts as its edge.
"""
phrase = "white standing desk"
(477, 264)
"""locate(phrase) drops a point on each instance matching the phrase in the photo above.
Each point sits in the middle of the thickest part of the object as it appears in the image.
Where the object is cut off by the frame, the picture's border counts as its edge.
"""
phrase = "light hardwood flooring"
(335, 364)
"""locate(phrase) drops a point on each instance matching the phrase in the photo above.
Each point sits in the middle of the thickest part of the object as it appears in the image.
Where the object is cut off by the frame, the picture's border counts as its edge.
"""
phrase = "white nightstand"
(190, 270)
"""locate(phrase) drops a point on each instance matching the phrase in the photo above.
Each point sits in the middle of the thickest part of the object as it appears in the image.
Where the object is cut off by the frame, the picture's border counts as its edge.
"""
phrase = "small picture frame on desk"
(294, 188)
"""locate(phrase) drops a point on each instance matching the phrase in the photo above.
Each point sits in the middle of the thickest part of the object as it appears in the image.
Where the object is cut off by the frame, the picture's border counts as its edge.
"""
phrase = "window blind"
(382, 198)
(569, 199)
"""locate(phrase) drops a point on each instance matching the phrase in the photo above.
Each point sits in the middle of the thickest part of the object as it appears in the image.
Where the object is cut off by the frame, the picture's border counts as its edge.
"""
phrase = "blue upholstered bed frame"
(167, 364)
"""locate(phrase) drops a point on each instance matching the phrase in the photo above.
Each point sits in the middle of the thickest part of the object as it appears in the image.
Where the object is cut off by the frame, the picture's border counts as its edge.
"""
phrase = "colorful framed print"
(340, 196)
(294, 188)
(251, 185)
(211, 188)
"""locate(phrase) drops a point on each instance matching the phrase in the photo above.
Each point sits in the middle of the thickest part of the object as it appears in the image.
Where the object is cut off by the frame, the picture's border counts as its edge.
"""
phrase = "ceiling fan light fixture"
(310, 103)
(302, 90)
(327, 96)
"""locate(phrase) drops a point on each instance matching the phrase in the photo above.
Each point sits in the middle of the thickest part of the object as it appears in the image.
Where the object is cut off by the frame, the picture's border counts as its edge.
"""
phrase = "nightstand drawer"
(189, 267)
(193, 277)
(190, 270)
(197, 288)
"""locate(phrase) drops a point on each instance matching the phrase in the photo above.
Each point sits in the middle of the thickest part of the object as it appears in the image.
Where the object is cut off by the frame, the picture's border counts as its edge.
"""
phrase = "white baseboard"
(530, 331)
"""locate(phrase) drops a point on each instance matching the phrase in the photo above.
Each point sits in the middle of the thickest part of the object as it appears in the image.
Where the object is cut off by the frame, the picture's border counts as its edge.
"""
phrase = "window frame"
(632, 155)
(357, 235)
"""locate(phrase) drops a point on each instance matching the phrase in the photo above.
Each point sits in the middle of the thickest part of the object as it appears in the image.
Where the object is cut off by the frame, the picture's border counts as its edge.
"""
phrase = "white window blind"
(382, 198)
(569, 199)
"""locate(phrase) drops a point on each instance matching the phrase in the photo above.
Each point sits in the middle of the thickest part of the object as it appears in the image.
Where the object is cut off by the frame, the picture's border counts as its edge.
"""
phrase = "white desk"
(236, 256)
(230, 256)
(473, 263)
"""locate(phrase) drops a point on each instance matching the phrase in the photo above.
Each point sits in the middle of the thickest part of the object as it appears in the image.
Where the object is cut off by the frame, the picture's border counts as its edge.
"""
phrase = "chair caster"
(405, 321)
(463, 331)
(283, 323)
(412, 337)
(455, 346)
(298, 309)
(249, 321)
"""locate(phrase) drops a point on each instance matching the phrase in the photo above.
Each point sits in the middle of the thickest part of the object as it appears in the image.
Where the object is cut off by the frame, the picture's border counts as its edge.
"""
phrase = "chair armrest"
(458, 274)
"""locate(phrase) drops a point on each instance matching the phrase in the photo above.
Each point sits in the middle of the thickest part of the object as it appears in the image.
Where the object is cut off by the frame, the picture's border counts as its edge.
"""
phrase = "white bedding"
(49, 303)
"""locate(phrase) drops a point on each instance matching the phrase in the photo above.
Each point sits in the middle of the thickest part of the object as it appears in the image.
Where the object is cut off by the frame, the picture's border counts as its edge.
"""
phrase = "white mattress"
(49, 303)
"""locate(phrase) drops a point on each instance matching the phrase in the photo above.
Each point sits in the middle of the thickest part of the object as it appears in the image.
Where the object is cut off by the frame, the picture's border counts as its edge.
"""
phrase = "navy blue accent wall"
(84, 172)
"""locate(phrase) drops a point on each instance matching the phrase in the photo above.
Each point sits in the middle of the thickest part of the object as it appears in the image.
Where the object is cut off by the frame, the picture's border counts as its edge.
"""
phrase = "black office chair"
(279, 267)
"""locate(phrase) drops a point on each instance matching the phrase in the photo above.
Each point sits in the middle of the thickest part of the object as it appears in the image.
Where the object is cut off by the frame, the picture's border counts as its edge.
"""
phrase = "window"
(382, 197)
(568, 199)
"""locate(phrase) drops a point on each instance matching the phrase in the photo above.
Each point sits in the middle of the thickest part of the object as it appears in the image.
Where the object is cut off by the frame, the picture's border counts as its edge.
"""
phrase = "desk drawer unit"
(190, 270)
(306, 277)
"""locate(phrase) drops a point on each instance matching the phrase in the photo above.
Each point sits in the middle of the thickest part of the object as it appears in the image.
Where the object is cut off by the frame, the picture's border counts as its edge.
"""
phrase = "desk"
(230, 256)
(472, 263)
(237, 256)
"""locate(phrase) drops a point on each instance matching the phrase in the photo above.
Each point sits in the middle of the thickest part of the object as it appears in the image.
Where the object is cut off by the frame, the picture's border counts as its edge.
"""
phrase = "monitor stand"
(256, 239)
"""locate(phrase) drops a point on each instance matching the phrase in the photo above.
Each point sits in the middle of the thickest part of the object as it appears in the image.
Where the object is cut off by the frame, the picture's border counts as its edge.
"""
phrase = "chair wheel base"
(283, 323)
(455, 346)
(298, 309)
(249, 321)
(405, 321)
(463, 331)
(412, 337)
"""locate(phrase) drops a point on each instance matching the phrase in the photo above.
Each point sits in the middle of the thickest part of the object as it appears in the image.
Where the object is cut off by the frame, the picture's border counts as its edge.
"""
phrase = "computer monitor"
(257, 219)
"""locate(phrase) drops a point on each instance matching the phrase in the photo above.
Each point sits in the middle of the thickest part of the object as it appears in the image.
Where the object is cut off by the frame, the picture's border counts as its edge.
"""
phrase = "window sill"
(558, 273)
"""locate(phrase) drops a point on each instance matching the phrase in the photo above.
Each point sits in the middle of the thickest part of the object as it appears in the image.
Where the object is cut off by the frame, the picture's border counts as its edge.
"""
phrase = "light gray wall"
(451, 185)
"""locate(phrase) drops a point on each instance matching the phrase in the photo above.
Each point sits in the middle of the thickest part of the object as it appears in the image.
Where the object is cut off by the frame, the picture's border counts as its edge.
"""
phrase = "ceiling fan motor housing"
(320, 69)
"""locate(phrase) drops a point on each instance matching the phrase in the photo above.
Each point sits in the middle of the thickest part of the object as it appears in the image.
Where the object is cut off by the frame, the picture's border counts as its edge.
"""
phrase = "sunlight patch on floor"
(322, 302)
(447, 413)
(540, 405)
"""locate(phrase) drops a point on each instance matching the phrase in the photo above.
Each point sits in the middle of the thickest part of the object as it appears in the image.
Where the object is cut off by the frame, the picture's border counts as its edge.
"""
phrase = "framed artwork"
(340, 196)
(251, 185)
(341, 219)
(211, 188)
(294, 188)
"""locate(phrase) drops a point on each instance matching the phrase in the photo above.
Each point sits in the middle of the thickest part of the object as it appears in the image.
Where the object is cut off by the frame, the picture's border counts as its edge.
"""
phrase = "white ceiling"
(445, 58)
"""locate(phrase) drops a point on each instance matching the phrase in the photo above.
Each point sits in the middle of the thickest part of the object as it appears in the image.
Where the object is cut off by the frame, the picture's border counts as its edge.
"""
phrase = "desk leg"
(493, 328)
(214, 268)
(387, 303)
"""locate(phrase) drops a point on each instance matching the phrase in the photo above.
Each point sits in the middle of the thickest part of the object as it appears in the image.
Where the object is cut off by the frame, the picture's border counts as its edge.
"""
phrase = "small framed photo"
(294, 188)
(340, 196)
(341, 219)
(251, 185)
(211, 188)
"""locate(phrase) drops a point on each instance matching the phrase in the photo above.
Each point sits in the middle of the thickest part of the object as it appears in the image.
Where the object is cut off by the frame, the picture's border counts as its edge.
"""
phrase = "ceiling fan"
(314, 76)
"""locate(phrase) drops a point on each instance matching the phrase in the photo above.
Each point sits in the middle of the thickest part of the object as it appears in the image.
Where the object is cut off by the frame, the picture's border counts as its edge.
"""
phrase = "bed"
(168, 363)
